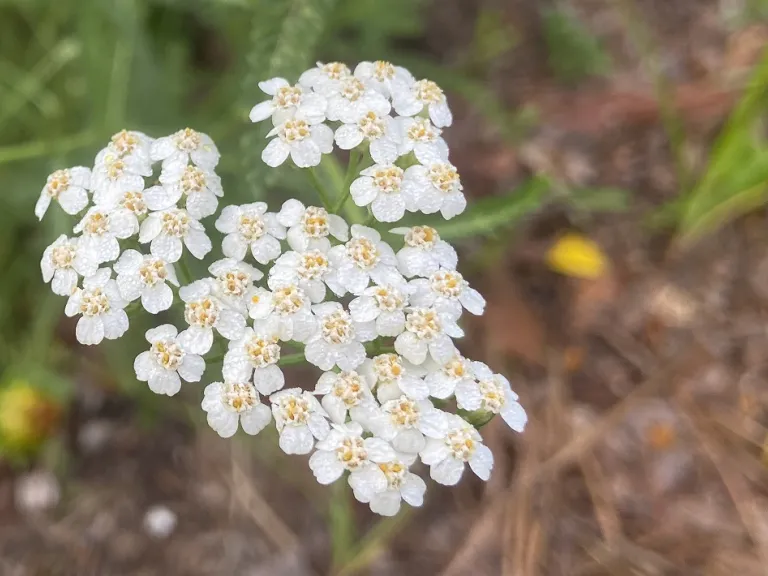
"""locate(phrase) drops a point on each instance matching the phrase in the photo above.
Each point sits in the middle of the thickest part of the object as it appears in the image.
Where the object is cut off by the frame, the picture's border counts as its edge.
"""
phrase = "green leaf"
(591, 200)
(735, 180)
(574, 53)
(487, 216)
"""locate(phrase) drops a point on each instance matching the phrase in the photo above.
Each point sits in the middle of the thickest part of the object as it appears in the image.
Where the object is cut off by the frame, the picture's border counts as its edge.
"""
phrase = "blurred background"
(615, 154)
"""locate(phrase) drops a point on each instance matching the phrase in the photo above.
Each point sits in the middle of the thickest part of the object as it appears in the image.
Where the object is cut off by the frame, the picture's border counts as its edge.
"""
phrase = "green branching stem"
(355, 158)
(321, 191)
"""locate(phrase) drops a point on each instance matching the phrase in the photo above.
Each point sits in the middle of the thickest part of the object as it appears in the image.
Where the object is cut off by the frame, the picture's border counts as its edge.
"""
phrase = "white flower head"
(344, 393)
(166, 364)
(427, 331)
(491, 393)
(338, 339)
(200, 188)
(460, 444)
(424, 252)
(383, 304)
(61, 266)
(133, 148)
(448, 293)
(130, 207)
(286, 311)
(68, 187)
(402, 484)
(254, 357)
(204, 312)
(186, 145)
(435, 187)
(101, 229)
(304, 142)
(287, 102)
(345, 450)
(233, 282)
(113, 175)
(325, 78)
(250, 226)
(309, 227)
(101, 308)
(307, 270)
(419, 136)
(362, 259)
(300, 419)
(443, 381)
(392, 376)
(384, 77)
(423, 93)
(381, 132)
(168, 231)
(232, 404)
(406, 423)
(352, 100)
(381, 186)
(146, 277)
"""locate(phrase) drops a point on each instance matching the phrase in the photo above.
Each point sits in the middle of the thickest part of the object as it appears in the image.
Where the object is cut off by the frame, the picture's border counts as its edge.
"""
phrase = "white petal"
(453, 205)
(447, 472)
(409, 441)
(386, 503)
(322, 136)
(390, 323)
(514, 415)
(192, 368)
(296, 440)
(305, 154)
(363, 191)
(234, 246)
(481, 461)
(352, 355)
(169, 248)
(256, 419)
(389, 208)
(144, 366)
(268, 379)
(379, 450)
(335, 407)
(272, 85)
(326, 467)
(261, 111)
(348, 136)
(367, 482)
(468, 395)
(64, 282)
(412, 489)
(90, 330)
(157, 298)
(196, 340)
(41, 207)
(275, 153)
(364, 309)
(115, 324)
(414, 387)
(223, 422)
(411, 348)
(384, 151)
(161, 197)
(198, 243)
(440, 114)
(73, 199)
(164, 382)
(291, 212)
(338, 227)
(201, 204)
(230, 324)
(150, 228)
(442, 349)
(162, 332)
(434, 452)
(265, 249)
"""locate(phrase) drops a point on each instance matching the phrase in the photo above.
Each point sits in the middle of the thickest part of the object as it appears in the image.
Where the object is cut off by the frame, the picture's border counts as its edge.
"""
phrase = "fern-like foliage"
(284, 36)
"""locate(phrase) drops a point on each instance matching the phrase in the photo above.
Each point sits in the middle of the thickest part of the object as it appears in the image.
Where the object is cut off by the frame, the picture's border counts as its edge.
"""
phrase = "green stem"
(355, 157)
(186, 276)
(342, 524)
(324, 198)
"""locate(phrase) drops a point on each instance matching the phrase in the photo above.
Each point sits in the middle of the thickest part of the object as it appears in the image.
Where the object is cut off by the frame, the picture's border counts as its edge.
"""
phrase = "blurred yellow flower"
(577, 256)
(26, 417)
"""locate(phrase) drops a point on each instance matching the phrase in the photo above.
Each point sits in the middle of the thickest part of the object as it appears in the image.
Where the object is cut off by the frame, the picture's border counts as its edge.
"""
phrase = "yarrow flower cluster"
(378, 322)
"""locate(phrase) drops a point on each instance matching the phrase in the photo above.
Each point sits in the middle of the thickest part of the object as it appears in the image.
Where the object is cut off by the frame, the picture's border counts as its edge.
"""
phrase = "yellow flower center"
(428, 92)
(363, 253)
(388, 298)
(404, 412)
(352, 453)
(352, 89)
(388, 179)
(423, 237)
(168, 354)
(493, 395)
(424, 323)
(175, 223)
(152, 271)
(287, 97)
(294, 130)
(383, 70)
(115, 167)
(125, 142)
(313, 265)
(233, 283)
(456, 368)
(337, 327)
(251, 226)
(203, 312)
(63, 255)
(371, 126)
(349, 388)
(239, 397)
(94, 302)
(294, 410)
(422, 131)
(262, 351)
(315, 222)
(335, 70)
(444, 177)
(387, 367)
(193, 180)
(395, 473)
(96, 224)
(288, 299)
(57, 183)
(461, 443)
(134, 201)
(187, 140)
(447, 283)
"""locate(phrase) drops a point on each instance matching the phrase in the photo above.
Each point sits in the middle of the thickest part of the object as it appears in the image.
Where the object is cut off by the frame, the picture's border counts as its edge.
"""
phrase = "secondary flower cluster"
(381, 107)
(379, 322)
